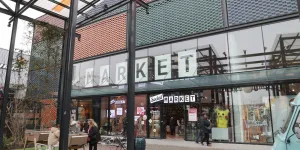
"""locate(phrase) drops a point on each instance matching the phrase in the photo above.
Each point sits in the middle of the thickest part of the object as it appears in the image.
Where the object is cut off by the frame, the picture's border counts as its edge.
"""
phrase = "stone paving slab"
(180, 145)
(165, 144)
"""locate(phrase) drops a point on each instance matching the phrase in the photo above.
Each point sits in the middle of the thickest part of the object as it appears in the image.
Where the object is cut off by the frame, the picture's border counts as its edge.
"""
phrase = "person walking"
(93, 135)
(172, 126)
(200, 135)
(206, 128)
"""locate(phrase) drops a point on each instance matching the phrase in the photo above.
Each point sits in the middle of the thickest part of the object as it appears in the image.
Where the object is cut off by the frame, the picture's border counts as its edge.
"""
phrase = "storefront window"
(85, 110)
(117, 115)
(252, 116)
(140, 115)
(154, 120)
(104, 126)
(281, 96)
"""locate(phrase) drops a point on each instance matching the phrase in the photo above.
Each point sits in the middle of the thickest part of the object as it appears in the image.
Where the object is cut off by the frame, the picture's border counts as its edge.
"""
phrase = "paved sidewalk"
(165, 144)
(155, 144)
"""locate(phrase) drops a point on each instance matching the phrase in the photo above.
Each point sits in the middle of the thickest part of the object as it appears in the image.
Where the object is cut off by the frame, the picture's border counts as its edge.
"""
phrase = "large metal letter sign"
(121, 73)
(187, 63)
(89, 74)
(104, 75)
(141, 73)
(163, 67)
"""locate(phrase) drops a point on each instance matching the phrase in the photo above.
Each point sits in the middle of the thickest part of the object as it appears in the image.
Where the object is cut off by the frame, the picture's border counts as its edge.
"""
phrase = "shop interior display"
(222, 117)
(154, 123)
(257, 123)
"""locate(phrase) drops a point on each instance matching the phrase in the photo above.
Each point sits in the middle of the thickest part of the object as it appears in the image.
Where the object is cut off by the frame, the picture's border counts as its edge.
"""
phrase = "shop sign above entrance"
(173, 99)
(180, 99)
(117, 102)
(156, 98)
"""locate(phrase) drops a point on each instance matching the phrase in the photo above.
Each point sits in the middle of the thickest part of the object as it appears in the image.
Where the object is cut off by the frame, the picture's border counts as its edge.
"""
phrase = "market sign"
(187, 67)
(180, 99)
(173, 99)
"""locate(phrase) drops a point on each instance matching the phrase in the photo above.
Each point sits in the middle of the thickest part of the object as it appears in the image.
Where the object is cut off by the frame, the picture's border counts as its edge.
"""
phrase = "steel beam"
(5, 11)
(23, 9)
(43, 10)
(131, 38)
(66, 76)
(6, 6)
(88, 6)
(8, 74)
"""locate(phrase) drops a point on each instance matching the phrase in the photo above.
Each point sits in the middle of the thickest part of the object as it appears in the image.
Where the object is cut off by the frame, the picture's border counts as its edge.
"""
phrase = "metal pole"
(131, 36)
(59, 99)
(8, 74)
(298, 4)
(66, 76)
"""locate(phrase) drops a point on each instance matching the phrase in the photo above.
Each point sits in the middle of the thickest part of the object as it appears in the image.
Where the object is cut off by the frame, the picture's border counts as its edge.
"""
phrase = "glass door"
(155, 121)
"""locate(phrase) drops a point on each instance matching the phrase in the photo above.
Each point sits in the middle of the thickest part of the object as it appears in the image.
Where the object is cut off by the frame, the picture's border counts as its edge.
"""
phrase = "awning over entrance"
(261, 76)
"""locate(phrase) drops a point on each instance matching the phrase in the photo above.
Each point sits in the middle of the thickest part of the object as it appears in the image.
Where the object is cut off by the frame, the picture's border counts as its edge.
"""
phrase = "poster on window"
(193, 114)
(119, 111)
(140, 110)
(112, 113)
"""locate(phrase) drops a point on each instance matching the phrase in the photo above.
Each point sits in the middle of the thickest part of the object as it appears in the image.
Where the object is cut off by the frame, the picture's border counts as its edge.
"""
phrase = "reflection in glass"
(242, 44)
(252, 116)
(104, 126)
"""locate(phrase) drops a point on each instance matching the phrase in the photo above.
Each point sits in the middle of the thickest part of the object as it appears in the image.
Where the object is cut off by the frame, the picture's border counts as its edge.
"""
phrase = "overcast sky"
(5, 31)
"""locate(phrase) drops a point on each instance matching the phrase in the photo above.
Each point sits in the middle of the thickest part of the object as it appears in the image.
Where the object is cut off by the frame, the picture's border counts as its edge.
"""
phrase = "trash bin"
(140, 143)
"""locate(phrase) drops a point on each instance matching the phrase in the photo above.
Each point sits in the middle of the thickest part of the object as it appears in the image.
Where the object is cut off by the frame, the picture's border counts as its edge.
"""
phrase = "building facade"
(235, 60)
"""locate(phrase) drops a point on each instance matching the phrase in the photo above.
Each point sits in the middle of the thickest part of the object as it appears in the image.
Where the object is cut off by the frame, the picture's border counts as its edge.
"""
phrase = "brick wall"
(105, 36)
(48, 113)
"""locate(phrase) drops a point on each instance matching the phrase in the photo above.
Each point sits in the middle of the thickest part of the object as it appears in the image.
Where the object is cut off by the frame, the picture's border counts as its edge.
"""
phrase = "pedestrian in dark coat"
(93, 135)
(206, 128)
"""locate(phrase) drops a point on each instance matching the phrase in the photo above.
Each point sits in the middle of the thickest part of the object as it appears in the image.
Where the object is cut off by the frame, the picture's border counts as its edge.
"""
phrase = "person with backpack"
(93, 135)
(206, 128)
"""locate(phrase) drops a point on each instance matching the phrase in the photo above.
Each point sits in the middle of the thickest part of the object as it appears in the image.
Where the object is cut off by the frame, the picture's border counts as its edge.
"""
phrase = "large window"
(252, 115)
(104, 122)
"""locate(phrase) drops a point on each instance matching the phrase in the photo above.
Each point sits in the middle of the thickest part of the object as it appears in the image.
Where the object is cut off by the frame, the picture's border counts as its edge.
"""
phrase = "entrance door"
(172, 121)
(163, 122)
(155, 121)
(294, 139)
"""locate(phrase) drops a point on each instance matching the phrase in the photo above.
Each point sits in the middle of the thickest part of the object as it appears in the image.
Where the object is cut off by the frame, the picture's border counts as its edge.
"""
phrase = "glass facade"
(229, 74)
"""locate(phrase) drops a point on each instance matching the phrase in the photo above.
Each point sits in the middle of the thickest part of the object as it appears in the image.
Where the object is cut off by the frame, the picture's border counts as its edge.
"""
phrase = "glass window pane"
(282, 39)
(252, 116)
(139, 112)
(217, 45)
(86, 75)
(101, 72)
(118, 121)
(118, 69)
(104, 127)
(242, 44)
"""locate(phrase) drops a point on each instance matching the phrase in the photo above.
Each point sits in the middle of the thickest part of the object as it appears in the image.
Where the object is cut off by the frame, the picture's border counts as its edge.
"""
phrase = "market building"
(235, 60)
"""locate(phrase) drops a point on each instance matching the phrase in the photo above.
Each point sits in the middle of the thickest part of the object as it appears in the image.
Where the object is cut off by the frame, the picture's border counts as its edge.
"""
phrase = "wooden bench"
(77, 141)
(36, 137)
